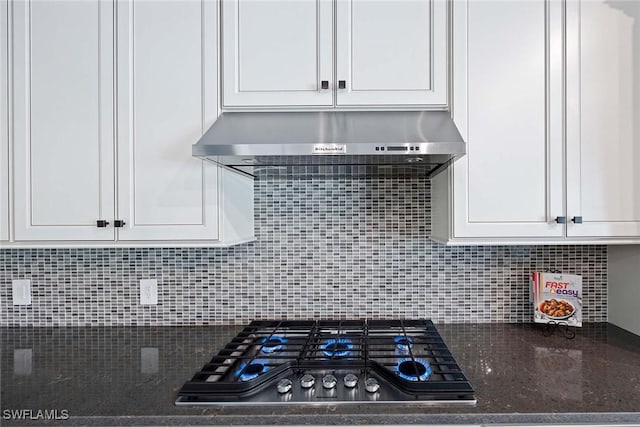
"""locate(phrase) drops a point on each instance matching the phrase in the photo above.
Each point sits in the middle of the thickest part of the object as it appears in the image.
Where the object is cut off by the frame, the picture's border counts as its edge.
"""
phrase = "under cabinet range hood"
(352, 142)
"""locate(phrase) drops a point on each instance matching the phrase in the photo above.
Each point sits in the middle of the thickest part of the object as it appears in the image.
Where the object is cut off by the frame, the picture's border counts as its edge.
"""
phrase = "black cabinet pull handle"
(577, 220)
(342, 84)
(561, 219)
(101, 223)
(118, 223)
(324, 84)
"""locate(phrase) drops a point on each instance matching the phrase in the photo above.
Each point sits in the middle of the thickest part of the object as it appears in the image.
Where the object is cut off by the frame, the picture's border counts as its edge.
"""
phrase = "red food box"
(557, 298)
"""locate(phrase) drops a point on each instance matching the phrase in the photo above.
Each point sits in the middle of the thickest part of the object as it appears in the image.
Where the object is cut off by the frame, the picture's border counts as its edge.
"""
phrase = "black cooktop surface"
(331, 362)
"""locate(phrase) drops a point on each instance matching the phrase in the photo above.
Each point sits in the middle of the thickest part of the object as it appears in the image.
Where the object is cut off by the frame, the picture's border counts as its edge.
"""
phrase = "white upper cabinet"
(507, 105)
(108, 99)
(549, 103)
(277, 53)
(603, 118)
(167, 97)
(63, 119)
(391, 53)
(4, 121)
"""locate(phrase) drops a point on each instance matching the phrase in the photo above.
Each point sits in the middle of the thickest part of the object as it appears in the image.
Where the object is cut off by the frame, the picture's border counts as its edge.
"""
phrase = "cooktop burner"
(330, 362)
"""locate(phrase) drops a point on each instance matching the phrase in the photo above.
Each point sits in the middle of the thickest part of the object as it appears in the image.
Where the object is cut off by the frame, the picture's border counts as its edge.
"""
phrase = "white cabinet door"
(603, 118)
(167, 97)
(4, 121)
(508, 106)
(63, 135)
(277, 53)
(391, 52)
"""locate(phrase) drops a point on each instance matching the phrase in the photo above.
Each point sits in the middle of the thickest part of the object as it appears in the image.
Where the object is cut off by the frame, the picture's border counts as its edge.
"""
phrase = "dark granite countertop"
(130, 375)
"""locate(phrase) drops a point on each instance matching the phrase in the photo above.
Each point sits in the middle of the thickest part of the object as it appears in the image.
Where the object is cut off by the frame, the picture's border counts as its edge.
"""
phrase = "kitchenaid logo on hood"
(329, 149)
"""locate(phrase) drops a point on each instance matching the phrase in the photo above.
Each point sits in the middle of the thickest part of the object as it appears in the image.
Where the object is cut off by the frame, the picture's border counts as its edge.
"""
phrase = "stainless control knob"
(329, 381)
(307, 381)
(350, 380)
(371, 385)
(284, 386)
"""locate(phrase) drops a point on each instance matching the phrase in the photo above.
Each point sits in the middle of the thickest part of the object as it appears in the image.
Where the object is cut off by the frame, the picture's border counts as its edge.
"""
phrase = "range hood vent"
(358, 142)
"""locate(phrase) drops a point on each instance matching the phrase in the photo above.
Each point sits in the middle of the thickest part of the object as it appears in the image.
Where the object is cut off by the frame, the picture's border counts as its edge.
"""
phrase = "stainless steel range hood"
(422, 142)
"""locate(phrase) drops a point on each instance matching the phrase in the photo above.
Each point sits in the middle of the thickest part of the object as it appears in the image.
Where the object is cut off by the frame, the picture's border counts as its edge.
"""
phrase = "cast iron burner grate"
(391, 361)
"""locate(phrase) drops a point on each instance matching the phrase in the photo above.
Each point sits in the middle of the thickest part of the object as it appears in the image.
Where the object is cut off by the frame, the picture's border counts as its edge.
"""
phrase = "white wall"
(624, 287)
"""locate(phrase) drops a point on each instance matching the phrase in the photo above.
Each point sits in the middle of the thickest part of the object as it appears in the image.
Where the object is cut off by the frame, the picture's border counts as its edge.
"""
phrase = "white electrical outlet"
(148, 291)
(21, 292)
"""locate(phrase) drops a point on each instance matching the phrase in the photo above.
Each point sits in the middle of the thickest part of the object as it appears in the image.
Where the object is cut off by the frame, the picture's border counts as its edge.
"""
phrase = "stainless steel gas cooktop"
(329, 362)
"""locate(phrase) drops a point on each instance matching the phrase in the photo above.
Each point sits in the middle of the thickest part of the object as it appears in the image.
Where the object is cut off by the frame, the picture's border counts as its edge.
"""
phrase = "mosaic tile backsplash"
(326, 248)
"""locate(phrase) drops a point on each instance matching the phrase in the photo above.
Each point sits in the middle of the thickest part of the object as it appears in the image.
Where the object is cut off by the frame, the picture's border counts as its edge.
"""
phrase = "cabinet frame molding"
(315, 97)
(21, 132)
(209, 228)
(598, 228)
(5, 101)
(460, 225)
(435, 96)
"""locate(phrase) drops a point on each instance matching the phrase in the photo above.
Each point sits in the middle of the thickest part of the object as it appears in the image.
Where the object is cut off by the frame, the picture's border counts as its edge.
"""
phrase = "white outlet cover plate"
(148, 291)
(21, 292)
